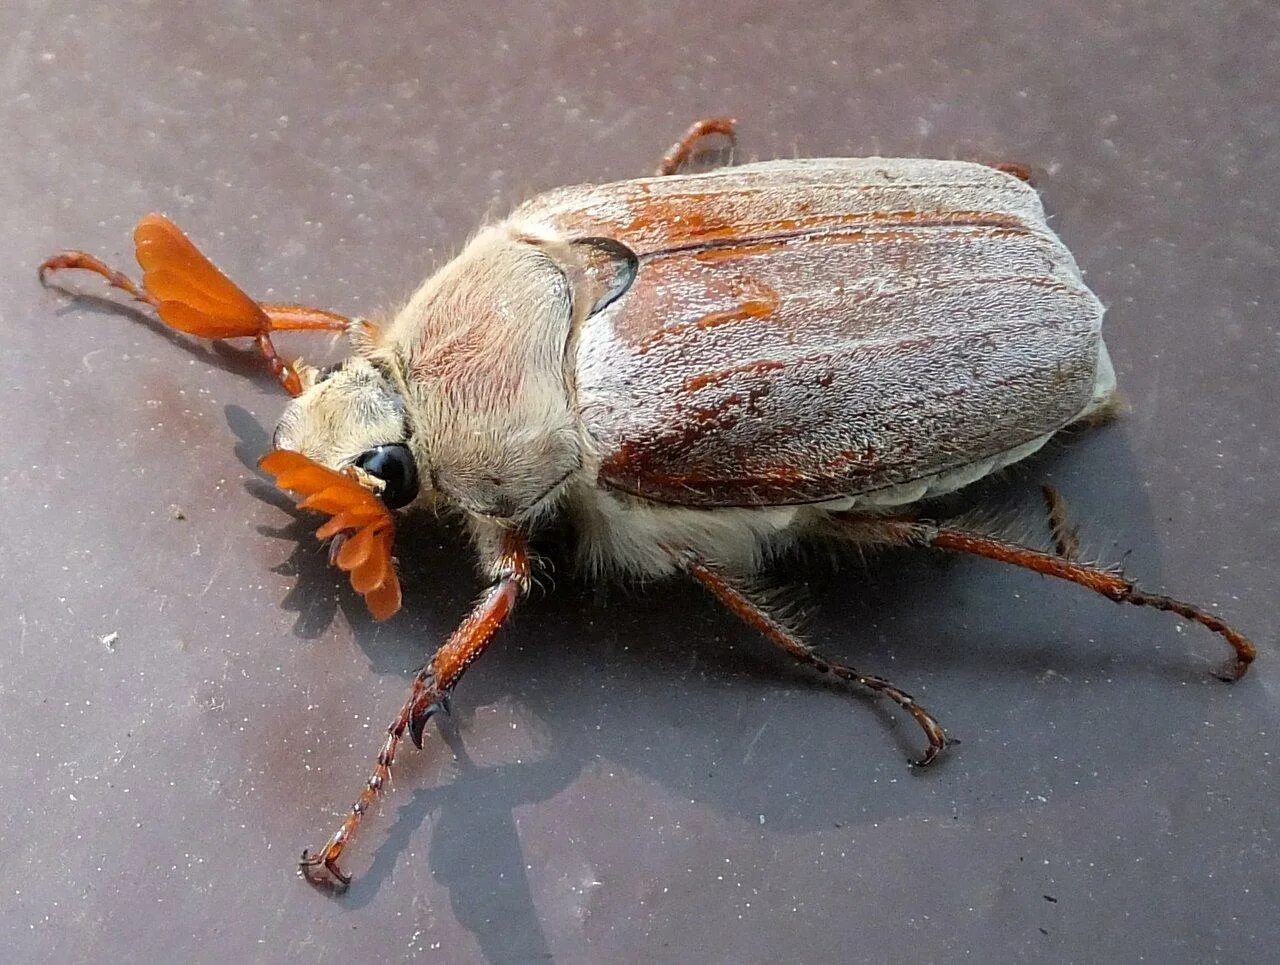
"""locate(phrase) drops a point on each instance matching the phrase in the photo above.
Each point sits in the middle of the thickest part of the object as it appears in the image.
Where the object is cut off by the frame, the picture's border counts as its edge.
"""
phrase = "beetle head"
(352, 414)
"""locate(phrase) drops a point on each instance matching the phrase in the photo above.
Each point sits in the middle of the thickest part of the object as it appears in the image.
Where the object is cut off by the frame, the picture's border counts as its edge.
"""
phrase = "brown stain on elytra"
(733, 252)
(681, 221)
(871, 234)
(759, 302)
(847, 460)
(675, 216)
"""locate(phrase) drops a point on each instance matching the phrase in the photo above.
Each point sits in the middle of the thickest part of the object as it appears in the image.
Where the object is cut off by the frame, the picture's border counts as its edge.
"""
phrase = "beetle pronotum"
(699, 371)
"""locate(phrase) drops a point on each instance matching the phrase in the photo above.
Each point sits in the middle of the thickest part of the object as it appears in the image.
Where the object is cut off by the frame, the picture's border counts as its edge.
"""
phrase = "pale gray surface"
(641, 778)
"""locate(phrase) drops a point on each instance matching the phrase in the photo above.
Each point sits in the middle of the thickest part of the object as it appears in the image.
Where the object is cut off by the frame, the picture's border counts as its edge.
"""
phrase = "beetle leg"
(752, 613)
(429, 694)
(278, 318)
(1020, 171)
(284, 318)
(87, 262)
(305, 318)
(904, 531)
(683, 150)
(302, 318)
(1066, 538)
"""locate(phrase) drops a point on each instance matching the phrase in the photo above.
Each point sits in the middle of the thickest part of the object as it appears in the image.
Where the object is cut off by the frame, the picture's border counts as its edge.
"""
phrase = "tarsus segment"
(755, 615)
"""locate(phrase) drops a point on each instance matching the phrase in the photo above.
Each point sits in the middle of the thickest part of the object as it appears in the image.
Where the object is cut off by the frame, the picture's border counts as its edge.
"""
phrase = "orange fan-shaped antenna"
(193, 295)
(370, 528)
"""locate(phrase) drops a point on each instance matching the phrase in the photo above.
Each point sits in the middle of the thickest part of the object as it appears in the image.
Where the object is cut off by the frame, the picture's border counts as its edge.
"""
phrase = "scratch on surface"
(217, 567)
(752, 746)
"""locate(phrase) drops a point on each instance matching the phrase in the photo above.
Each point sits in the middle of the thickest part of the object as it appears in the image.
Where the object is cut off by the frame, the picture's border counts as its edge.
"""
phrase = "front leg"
(430, 691)
(191, 295)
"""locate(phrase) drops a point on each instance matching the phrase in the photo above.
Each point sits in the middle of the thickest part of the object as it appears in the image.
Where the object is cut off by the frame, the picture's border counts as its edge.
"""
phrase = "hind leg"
(904, 531)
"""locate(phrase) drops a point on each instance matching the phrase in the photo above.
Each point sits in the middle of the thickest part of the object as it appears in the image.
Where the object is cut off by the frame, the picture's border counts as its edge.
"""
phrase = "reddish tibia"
(304, 318)
(192, 296)
(430, 688)
(358, 514)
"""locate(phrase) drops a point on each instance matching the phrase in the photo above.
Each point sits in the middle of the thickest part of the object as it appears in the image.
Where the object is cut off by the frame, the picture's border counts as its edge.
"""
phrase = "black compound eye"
(394, 465)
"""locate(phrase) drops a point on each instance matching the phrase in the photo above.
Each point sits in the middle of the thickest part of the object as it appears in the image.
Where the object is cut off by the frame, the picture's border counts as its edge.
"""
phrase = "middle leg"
(755, 615)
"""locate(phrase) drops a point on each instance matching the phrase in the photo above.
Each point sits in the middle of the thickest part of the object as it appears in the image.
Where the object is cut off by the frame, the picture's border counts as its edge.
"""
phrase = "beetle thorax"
(481, 350)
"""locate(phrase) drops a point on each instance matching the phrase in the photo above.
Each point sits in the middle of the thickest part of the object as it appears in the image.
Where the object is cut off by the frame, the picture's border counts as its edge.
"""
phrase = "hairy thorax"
(481, 350)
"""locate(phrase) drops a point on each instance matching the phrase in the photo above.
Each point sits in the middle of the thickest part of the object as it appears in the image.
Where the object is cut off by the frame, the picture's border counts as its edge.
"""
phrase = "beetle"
(700, 371)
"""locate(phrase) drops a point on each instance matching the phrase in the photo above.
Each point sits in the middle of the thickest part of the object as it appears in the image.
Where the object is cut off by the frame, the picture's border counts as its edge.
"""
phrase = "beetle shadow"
(667, 669)
(474, 849)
